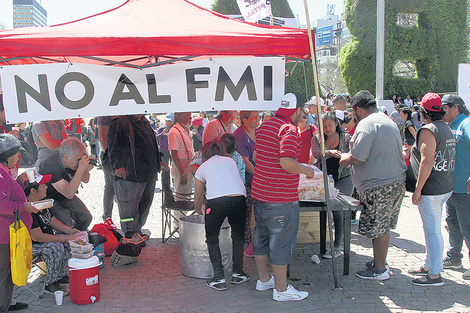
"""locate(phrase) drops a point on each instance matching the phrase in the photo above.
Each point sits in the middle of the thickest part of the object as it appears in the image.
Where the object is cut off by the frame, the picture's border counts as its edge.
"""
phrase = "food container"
(81, 236)
(80, 247)
(43, 204)
(82, 255)
(312, 189)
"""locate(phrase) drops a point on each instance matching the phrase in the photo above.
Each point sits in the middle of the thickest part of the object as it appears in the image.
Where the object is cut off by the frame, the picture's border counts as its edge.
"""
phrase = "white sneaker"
(291, 294)
(260, 286)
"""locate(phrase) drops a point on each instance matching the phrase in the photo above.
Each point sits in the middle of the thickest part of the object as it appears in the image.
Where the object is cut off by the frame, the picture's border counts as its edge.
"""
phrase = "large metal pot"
(194, 256)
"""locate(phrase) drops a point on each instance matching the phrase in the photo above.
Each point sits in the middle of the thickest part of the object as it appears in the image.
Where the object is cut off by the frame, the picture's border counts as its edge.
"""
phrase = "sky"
(61, 11)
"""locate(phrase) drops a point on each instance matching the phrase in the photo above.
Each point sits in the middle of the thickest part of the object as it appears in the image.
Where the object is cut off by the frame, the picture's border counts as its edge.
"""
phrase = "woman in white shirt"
(220, 186)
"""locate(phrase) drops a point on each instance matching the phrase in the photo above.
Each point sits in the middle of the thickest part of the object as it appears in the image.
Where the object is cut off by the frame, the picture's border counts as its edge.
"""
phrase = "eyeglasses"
(304, 114)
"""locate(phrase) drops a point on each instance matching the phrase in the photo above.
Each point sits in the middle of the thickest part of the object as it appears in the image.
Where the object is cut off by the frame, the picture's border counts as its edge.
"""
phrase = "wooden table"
(340, 203)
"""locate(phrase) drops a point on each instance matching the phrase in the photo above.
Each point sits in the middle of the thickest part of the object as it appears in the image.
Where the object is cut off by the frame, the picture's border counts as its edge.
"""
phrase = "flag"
(254, 10)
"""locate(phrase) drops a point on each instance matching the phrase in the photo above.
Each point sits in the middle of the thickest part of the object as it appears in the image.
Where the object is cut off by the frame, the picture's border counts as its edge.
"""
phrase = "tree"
(436, 44)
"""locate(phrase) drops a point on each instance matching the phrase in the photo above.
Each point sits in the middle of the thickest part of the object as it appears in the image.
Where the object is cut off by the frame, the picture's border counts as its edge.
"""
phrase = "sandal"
(420, 271)
(428, 281)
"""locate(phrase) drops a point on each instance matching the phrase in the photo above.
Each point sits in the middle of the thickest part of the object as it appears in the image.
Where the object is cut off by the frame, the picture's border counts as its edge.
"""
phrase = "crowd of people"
(237, 163)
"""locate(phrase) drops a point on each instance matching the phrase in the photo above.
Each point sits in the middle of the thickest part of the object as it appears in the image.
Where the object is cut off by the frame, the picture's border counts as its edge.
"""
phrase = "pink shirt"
(213, 130)
(180, 140)
(11, 198)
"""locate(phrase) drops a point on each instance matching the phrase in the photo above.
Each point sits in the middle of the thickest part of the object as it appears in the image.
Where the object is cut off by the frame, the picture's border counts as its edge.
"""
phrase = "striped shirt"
(275, 139)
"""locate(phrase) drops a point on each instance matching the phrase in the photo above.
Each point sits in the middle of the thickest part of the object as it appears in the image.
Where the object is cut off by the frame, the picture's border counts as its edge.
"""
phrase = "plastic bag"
(312, 189)
(21, 252)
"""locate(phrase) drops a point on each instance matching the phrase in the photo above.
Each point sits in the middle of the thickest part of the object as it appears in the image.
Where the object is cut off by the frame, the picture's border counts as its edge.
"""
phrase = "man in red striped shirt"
(274, 190)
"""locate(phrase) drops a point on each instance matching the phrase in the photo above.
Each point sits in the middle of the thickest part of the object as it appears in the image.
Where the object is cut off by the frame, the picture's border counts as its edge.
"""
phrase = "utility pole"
(380, 51)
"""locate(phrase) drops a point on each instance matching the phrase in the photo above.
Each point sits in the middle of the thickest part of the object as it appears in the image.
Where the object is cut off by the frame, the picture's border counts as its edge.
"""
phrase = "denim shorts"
(277, 226)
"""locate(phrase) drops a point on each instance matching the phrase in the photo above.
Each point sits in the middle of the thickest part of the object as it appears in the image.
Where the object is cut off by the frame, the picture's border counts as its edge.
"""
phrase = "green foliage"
(436, 45)
(296, 82)
(280, 8)
(226, 7)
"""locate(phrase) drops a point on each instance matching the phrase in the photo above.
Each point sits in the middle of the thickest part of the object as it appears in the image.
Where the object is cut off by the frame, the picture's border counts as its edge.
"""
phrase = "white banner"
(464, 83)
(58, 91)
(254, 10)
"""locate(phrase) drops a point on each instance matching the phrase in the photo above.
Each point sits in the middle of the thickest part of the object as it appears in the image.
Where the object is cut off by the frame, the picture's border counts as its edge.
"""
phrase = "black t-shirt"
(332, 166)
(409, 139)
(53, 165)
(42, 219)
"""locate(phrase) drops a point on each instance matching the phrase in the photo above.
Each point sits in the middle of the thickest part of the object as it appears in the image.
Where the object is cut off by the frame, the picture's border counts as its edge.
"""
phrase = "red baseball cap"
(431, 102)
(288, 105)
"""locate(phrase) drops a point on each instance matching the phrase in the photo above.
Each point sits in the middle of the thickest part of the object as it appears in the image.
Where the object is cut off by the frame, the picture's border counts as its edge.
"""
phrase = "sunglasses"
(304, 114)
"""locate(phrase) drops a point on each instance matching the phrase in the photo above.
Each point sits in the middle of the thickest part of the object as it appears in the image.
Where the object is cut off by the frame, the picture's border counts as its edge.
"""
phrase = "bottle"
(331, 186)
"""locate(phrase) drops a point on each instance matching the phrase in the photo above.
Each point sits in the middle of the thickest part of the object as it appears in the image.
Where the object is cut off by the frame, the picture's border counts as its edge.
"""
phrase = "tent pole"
(322, 143)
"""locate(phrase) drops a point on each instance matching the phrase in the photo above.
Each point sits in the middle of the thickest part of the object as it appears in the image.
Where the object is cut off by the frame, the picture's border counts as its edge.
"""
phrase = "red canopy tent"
(145, 33)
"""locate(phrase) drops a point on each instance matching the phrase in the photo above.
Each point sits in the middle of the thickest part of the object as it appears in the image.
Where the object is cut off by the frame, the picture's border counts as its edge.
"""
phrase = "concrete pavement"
(154, 283)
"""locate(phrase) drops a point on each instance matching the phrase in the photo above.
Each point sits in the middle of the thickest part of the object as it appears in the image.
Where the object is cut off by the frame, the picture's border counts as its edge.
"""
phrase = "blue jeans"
(458, 220)
(277, 227)
(431, 213)
(346, 186)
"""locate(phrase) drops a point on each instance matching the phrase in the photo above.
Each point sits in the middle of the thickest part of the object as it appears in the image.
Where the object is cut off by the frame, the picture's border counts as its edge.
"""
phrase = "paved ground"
(154, 283)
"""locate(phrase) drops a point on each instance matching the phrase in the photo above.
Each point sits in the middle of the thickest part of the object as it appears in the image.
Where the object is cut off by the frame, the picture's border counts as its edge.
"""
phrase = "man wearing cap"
(182, 152)
(458, 205)
(379, 176)
(53, 249)
(69, 168)
(162, 139)
(312, 109)
(276, 200)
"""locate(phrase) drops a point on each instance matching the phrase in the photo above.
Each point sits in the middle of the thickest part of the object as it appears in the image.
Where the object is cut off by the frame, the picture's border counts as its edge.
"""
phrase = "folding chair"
(42, 270)
(168, 217)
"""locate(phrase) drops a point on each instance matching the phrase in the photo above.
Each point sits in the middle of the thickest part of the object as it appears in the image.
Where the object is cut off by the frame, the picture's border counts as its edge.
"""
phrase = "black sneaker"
(373, 273)
(428, 281)
(50, 289)
(454, 265)
(238, 278)
(17, 306)
(217, 284)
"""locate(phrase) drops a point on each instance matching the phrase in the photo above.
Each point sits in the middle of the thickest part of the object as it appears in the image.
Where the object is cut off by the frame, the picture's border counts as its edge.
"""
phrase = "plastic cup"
(59, 296)
(30, 174)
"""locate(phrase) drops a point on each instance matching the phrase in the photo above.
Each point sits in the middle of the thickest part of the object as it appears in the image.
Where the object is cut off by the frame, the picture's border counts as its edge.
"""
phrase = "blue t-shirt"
(461, 129)
(246, 148)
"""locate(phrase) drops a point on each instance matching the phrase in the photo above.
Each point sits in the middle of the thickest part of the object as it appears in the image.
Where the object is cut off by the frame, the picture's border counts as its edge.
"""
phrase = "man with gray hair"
(70, 166)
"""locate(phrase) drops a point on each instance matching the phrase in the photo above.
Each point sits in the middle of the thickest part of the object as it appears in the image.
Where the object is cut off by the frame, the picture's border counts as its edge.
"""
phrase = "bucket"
(84, 280)
(194, 256)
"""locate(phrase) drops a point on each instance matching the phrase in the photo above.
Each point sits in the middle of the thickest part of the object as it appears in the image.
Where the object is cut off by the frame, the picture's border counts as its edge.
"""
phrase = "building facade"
(28, 13)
